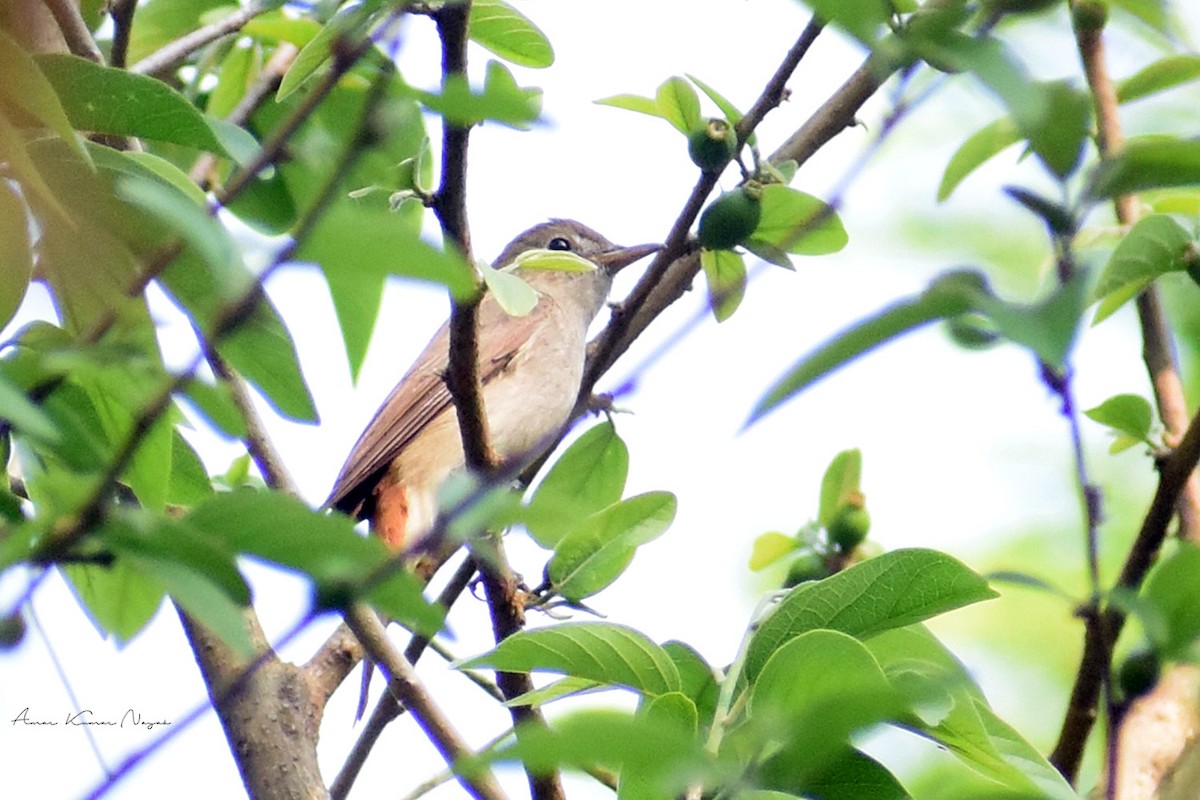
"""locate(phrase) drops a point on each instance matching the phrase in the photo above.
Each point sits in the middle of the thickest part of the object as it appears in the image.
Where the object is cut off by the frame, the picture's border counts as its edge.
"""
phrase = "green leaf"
(1170, 591)
(209, 239)
(357, 247)
(324, 547)
(594, 554)
(1166, 73)
(815, 692)
(557, 690)
(731, 112)
(348, 23)
(769, 548)
(799, 223)
(1152, 12)
(614, 655)
(889, 591)
(678, 104)
(644, 778)
(1147, 163)
(1154, 246)
(201, 599)
(1052, 115)
(556, 260)
(951, 710)
(1048, 328)
(238, 72)
(501, 100)
(514, 295)
(276, 26)
(980, 146)
(851, 775)
(23, 414)
(215, 403)
(699, 680)
(948, 296)
(587, 477)
(665, 757)
(842, 479)
(120, 599)
(114, 101)
(862, 19)
(189, 483)
(725, 271)
(26, 88)
(502, 29)
(1129, 414)
(633, 102)
(25, 171)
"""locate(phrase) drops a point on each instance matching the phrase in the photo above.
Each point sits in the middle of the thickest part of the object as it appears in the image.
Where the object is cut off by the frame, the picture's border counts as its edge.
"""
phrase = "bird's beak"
(614, 260)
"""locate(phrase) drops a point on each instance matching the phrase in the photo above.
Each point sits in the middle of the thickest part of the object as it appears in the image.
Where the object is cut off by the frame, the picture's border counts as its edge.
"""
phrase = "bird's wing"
(422, 395)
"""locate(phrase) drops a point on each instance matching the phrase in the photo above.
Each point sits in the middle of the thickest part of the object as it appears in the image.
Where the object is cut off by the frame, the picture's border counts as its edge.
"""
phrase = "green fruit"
(972, 331)
(850, 525)
(731, 218)
(1089, 15)
(1138, 673)
(12, 630)
(806, 567)
(712, 146)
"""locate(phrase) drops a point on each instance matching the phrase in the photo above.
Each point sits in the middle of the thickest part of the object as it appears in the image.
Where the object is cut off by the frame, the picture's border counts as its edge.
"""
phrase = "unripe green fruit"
(972, 331)
(805, 567)
(12, 630)
(712, 146)
(731, 218)
(1089, 15)
(849, 526)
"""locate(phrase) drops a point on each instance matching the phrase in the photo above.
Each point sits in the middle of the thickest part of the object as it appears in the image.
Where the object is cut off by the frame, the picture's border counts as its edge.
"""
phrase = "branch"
(74, 29)
(506, 604)
(1178, 487)
(450, 206)
(403, 681)
(388, 707)
(1156, 336)
(240, 690)
(258, 442)
(178, 50)
(653, 294)
(1175, 472)
(121, 12)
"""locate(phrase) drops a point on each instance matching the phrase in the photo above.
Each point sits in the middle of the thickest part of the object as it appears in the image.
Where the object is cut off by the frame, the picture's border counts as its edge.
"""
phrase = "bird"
(530, 368)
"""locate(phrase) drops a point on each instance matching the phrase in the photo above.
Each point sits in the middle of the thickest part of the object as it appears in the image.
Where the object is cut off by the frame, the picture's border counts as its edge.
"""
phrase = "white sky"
(959, 448)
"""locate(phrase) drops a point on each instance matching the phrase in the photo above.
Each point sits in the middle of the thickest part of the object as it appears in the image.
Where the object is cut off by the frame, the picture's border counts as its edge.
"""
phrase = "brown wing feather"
(421, 396)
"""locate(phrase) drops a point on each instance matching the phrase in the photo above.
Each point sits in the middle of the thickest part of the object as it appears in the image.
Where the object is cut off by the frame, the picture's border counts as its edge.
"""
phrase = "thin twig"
(121, 12)
(403, 680)
(172, 54)
(388, 707)
(74, 30)
(1103, 628)
(1174, 473)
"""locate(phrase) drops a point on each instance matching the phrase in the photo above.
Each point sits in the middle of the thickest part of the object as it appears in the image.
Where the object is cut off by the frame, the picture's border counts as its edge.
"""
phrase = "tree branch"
(74, 29)
(121, 12)
(403, 681)
(450, 206)
(174, 53)
(1099, 639)
(506, 604)
(1183, 490)
(388, 707)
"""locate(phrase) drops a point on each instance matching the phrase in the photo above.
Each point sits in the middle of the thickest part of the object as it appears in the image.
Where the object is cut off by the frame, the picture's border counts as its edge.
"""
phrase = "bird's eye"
(559, 243)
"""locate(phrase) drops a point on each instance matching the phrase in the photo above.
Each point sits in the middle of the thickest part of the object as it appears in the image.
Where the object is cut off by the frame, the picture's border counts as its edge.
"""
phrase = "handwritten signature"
(129, 719)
